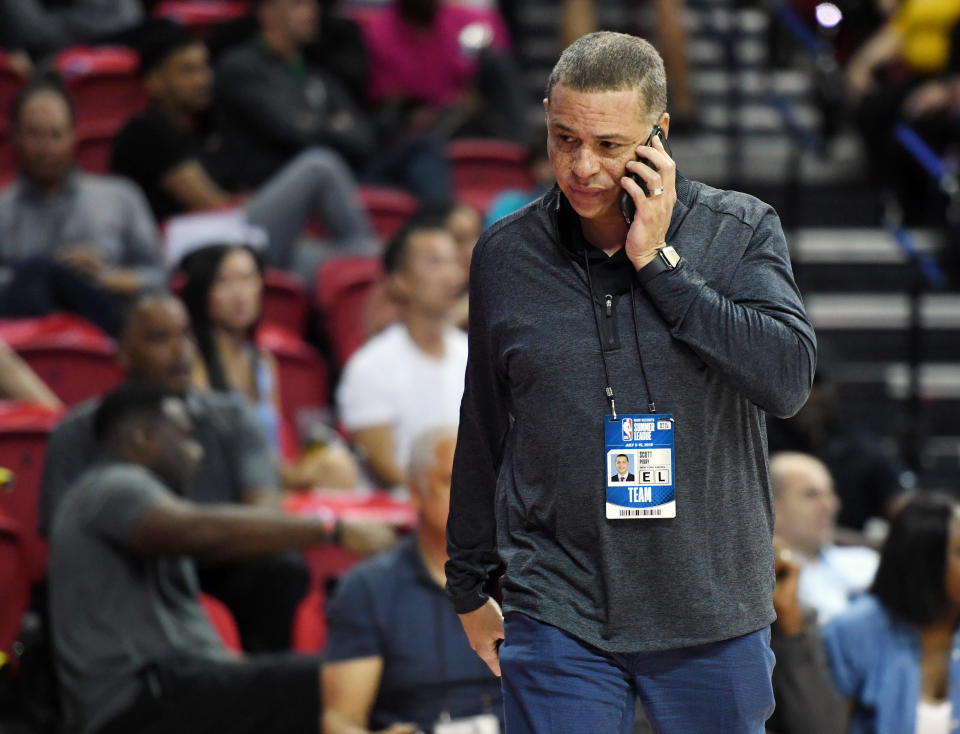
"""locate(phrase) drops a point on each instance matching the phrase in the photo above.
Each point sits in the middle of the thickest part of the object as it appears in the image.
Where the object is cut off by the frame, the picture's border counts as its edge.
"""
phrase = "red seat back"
(70, 354)
(484, 168)
(223, 622)
(93, 149)
(15, 583)
(310, 624)
(8, 161)
(24, 428)
(284, 301)
(342, 291)
(105, 85)
(388, 208)
(200, 15)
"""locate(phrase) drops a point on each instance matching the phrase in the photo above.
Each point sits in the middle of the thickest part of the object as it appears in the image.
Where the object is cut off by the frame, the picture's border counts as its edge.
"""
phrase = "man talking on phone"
(665, 331)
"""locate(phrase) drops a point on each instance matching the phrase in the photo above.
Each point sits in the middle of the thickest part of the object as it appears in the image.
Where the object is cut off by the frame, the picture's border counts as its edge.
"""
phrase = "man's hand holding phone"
(655, 172)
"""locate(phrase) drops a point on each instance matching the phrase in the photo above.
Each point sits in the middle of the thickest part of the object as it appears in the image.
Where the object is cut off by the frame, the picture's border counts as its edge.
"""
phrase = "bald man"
(806, 509)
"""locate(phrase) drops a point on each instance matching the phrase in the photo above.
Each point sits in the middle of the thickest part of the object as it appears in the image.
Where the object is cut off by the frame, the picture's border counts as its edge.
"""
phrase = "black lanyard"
(608, 390)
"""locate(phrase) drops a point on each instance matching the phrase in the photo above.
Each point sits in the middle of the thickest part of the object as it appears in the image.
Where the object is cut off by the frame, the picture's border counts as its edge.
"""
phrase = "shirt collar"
(30, 190)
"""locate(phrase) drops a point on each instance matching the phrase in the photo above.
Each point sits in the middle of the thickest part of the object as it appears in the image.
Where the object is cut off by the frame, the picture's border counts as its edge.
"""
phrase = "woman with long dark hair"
(895, 653)
(223, 293)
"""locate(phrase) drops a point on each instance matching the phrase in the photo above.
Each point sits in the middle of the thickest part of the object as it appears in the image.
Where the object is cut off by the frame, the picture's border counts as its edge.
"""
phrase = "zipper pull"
(608, 302)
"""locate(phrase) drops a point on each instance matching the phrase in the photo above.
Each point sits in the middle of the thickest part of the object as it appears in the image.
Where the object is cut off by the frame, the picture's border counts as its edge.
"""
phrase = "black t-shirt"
(148, 147)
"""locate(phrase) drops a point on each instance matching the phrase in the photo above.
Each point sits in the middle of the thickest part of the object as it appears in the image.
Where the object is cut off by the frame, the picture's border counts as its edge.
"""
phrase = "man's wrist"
(469, 602)
(665, 260)
(641, 261)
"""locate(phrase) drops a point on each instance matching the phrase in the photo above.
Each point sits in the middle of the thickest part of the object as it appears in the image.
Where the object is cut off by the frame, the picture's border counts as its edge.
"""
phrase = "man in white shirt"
(409, 376)
(807, 507)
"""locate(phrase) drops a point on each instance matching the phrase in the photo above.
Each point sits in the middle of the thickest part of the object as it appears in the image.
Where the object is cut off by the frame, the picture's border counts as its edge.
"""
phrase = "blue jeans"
(555, 684)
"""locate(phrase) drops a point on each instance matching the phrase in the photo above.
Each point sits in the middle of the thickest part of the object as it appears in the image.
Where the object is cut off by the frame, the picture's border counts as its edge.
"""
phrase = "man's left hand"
(648, 232)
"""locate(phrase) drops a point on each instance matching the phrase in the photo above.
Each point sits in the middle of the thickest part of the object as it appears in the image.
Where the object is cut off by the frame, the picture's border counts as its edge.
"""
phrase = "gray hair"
(610, 62)
(423, 453)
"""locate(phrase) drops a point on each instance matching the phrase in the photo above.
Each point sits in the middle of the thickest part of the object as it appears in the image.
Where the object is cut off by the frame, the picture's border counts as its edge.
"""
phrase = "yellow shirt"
(925, 27)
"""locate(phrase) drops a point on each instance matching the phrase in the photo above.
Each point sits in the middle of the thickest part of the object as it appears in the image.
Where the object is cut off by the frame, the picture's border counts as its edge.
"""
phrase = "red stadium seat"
(15, 582)
(343, 288)
(389, 209)
(303, 377)
(24, 428)
(223, 622)
(484, 168)
(8, 161)
(200, 15)
(284, 301)
(70, 354)
(105, 85)
(310, 624)
(93, 148)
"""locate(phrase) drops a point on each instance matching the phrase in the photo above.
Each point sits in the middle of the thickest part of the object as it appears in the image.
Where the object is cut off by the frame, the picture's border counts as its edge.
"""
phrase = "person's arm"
(19, 382)
(756, 336)
(881, 48)
(376, 443)
(191, 185)
(471, 525)
(140, 262)
(353, 665)
(172, 526)
(349, 690)
(807, 700)
(577, 18)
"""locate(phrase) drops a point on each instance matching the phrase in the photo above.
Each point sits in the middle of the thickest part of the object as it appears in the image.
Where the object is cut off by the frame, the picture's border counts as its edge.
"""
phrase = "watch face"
(670, 256)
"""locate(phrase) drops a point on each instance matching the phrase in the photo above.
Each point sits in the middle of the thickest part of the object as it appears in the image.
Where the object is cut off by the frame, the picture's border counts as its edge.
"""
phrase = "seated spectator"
(170, 152)
(807, 700)
(271, 105)
(396, 653)
(465, 225)
(806, 508)
(72, 239)
(893, 653)
(410, 375)
(445, 68)
(156, 345)
(133, 647)
(223, 293)
(19, 382)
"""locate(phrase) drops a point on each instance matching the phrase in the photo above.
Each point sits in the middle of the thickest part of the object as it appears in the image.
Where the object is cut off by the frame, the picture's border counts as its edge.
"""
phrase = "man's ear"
(664, 123)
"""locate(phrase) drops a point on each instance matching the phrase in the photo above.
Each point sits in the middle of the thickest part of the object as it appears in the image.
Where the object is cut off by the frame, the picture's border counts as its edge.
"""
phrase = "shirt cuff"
(470, 602)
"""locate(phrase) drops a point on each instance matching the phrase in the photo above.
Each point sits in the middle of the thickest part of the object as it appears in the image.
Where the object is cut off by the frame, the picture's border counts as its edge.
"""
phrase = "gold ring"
(657, 191)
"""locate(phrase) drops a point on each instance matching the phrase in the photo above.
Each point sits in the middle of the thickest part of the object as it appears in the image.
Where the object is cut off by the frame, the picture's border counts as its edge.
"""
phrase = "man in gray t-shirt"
(156, 345)
(133, 648)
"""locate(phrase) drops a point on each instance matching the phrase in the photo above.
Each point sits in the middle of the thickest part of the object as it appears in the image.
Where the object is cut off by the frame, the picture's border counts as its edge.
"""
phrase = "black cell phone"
(627, 207)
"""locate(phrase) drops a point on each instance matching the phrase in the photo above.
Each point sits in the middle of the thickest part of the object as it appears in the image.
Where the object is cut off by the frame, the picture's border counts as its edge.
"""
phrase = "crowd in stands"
(164, 497)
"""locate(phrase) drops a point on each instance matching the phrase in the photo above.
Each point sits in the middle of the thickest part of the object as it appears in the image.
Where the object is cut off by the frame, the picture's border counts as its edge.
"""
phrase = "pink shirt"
(427, 65)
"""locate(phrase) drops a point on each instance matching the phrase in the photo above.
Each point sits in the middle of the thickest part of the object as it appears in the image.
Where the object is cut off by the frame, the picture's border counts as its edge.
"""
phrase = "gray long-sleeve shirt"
(724, 337)
(107, 213)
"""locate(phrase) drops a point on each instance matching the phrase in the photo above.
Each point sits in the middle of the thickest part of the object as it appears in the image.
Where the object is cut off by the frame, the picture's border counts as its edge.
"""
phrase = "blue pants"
(555, 684)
